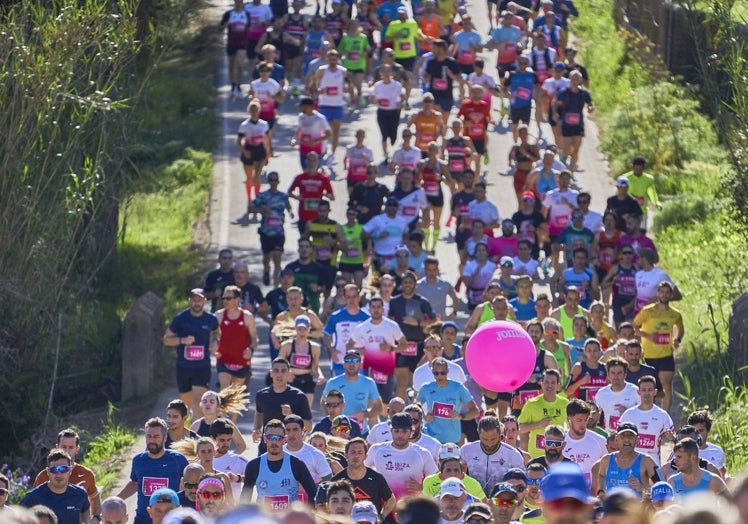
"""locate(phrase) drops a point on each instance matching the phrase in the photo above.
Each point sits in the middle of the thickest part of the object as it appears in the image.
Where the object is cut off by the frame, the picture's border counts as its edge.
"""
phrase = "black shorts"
(661, 364)
(251, 44)
(470, 429)
(570, 131)
(552, 121)
(304, 382)
(234, 371)
(388, 121)
(480, 146)
(446, 104)
(503, 69)
(269, 243)
(187, 378)
(437, 200)
(328, 274)
(258, 155)
(350, 268)
(407, 63)
(231, 50)
(461, 237)
(466, 69)
(291, 51)
(520, 114)
(410, 362)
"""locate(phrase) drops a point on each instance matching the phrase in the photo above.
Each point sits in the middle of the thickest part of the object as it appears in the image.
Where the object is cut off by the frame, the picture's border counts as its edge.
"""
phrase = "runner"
(238, 340)
(430, 173)
(354, 48)
(303, 356)
(273, 205)
(627, 467)
(387, 95)
(358, 158)
(539, 412)
(368, 485)
(653, 423)
(313, 185)
(235, 22)
(618, 396)
(312, 131)
(270, 94)
(254, 143)
(476, 115)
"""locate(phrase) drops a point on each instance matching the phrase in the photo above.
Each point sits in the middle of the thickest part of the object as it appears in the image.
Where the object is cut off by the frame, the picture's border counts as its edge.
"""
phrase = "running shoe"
(266, 277)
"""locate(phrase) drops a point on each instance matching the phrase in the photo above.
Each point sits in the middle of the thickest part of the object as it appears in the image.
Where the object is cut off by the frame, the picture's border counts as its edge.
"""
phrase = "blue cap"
(447, 324)
(164, 495)
(565, 480)
(662, 491)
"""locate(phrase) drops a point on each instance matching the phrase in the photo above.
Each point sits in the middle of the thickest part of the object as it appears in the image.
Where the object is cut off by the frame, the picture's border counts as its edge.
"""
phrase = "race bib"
(314, 53)
(410, 211)
(403, 46)
(524, 396)
(523, 93)
(540, 441)
(352, 252)
(466, 56)
(427, 137)
(274, 222)
(256, 140)
(359, 169)
(331, 90)
(572, 119)
(662, 339)
(306, 139)
(237, 27)
(440, 84)
(561, 220)
(311, 204)
(233, 367)
(442, 410)
(431, 188)
(353, 55)
(605, 257)
(301, 361)
(456, 165)
(151, 484)
(475, 295)
(464, 210)
(614, 422)
(384, 102)
(379, 377)
(276, 502)
(194, 352)
(476, 130)
(411, 350)
(323, 253)
(646, 441)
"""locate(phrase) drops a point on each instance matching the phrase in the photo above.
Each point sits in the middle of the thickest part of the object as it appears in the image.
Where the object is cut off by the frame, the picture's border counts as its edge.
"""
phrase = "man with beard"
(583, 446)
(417, 436)
(554, 441)
(539, 412)
(340, 498)
(225, 460)
(489, 458)
(277, 474)
(626, 467)
(404, 464)
(69, 502)
(192, 333)
(367, 483)
(153, 469)
(661, 330)
(176, 421)
(364, 405)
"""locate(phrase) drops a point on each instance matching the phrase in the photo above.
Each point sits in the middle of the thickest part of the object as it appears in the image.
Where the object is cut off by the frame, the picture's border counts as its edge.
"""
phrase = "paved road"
(228, 197)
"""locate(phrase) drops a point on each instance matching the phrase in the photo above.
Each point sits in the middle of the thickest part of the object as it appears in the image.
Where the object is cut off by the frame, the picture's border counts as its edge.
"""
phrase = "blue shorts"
(188, 378)
(332, 112)
(445, 103)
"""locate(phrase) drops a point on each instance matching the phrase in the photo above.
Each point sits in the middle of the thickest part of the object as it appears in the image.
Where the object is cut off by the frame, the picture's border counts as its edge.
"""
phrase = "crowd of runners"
(405, 433)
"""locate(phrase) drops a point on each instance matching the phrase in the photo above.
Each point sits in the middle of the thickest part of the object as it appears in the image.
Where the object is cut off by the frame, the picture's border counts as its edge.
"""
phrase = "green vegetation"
(642, 110)
(103, 453)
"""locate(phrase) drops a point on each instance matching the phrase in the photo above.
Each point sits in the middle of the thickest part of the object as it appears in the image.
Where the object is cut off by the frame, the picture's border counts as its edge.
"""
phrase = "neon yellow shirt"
(642, 189)
(403, 35)
(535, 410)
(660, 323)
(432, 483)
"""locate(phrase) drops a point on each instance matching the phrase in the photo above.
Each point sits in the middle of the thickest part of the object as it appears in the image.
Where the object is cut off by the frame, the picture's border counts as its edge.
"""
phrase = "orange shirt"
(476, 116)
(429, 27)
(427, 128)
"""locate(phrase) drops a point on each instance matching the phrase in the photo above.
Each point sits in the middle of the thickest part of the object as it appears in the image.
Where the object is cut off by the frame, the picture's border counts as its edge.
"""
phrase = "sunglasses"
(402, 255)
(432, 348)
(229, 297)
(354, 360)
(3, 491)
(59, 469)
(415, 421)
(503, 503)
(332, 404)
(274, 438)
(343, 429)
(550, 332)
(627, 252)
(553, 443)
(537, 482)
(211, 494)
(190, 485)
(439, 373)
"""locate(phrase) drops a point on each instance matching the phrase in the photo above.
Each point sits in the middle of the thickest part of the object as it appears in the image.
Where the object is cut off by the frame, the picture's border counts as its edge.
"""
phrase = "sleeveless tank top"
(203, 429)
(331, 87)
(276, 490)
(426, 127)
(354, 254)
(429, 27)
(314, 44)
(234, 340)
(334, 26)
(487, 314)
(301, 361)
(566, 321)
(431, 179)
(624, 288)
(598, 379)
(545, 184)
(510, 290)
(607, 249)
(681, 489)
(295, 27)
(456, 152)
(617, 476)
(320, 251)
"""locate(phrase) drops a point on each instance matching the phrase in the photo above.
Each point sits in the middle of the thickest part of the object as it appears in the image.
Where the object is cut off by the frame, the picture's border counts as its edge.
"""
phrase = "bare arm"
(128, 490)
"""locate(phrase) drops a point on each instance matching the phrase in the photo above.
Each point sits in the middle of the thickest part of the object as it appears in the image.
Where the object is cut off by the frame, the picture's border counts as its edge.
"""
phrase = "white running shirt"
(610, 402)
(489, 469)
(398, 466)
(651, 424)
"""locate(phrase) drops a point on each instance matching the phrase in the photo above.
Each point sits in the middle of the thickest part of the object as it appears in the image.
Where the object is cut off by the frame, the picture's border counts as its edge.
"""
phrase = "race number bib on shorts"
(194, 352)
(301, 361)
(151, 484)
(276, 502)
(443, 410)
(411, 350)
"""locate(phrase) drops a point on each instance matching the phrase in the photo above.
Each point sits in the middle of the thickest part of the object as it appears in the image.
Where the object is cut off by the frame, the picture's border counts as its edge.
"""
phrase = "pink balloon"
(500, 356)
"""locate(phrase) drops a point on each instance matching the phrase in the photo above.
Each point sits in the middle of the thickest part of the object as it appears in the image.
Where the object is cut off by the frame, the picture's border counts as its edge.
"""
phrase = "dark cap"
(306, 101)
(515, 474)
(559, 66)
(477, 509)
(401, 421)
(503, 487)
(619, 500)
(391, 200)
(321, 496)
(627, 426)
(341, 421)
(197, 291)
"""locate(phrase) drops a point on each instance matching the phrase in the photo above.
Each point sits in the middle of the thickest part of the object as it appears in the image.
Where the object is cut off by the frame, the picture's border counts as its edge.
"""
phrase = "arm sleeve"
(301, 474)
